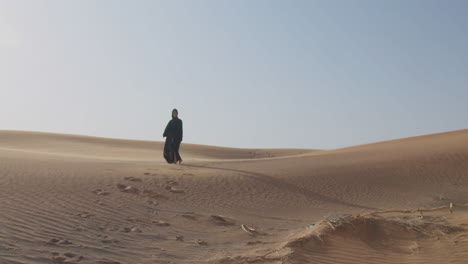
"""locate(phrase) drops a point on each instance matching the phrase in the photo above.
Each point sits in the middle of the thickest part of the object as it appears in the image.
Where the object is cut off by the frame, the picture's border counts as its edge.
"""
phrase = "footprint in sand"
(59, 259)
(54, 240)
(69, 255)
(188, 216)
(60, 241)
(172, 183)
(153, 194)
(107, 262)
(170, 187)
(250, 243)
(68, 258)
(100, 192)
(160, 223)
(127, 188)
(146, 173)
(85, 215)
(78, 228)
(132, 230)
(151, 202)
(220, 220)
(110, 241)
(175, 190)
(133, 219)
(202, 242)
(108, 229)
(133, 179)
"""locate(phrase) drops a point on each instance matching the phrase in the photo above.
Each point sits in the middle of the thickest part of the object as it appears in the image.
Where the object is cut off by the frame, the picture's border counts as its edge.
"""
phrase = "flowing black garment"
(173, 134)
(171, 146)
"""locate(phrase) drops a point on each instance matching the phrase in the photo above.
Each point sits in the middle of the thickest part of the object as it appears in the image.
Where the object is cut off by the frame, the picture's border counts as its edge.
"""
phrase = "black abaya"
(173, 134)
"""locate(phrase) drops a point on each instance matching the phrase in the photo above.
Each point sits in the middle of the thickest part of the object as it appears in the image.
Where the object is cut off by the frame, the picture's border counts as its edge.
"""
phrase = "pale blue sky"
(306, 74)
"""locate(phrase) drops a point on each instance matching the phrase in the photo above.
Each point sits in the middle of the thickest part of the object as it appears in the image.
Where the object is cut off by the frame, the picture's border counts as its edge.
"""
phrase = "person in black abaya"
(173, 134)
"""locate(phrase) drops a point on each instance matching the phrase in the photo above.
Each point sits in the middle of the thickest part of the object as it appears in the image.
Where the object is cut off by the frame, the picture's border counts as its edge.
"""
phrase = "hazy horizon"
(248, 74)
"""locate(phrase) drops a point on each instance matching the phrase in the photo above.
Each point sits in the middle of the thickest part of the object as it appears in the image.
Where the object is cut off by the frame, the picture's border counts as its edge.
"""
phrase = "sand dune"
(81, 199)
(77, 146)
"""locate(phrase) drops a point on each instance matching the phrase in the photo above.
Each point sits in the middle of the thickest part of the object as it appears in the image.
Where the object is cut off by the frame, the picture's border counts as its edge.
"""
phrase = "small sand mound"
(349, 239)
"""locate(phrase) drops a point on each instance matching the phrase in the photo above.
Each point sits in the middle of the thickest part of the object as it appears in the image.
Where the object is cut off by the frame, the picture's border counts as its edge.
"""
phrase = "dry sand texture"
(80, 199)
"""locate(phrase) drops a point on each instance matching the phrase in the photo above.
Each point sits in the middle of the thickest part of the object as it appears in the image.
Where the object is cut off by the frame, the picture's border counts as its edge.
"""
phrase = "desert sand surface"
(82, 199)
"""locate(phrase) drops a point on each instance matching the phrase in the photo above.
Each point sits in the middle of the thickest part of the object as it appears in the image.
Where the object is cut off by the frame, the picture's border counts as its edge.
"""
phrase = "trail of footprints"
(66, 257)
(130, 186)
